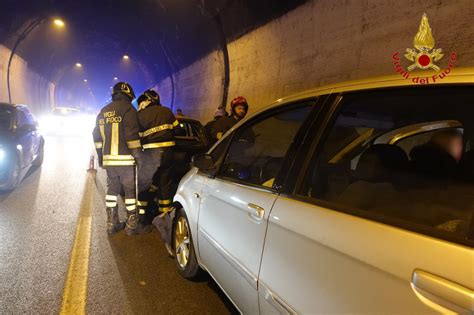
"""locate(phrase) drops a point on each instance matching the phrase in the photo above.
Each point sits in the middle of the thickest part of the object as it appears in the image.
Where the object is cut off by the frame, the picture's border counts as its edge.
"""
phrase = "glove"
(137, 155)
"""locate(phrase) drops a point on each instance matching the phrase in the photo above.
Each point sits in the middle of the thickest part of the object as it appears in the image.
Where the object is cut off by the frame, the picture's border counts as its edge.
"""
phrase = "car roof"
(457, 75)
(188, 120)
(13, 105)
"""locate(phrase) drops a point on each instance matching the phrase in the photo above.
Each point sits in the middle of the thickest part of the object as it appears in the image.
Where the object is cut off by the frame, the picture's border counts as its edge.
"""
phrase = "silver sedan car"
(352, 198)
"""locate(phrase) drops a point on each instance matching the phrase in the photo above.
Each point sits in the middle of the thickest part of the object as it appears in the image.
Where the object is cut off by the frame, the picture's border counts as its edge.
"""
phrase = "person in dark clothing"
(219, 113)
(238, 109)
(118, 147)
(179, 113)
(156, 131)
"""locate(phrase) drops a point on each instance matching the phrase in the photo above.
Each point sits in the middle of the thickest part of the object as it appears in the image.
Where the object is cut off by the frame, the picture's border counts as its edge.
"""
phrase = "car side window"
(30, 118)
(21, 118)
(378, 160)
(258, 149)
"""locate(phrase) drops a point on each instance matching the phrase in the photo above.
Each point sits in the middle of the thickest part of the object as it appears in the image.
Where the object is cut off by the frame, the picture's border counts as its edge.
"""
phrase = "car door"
(369, 229)
(25, 138)
(35, 135)
(236, 203)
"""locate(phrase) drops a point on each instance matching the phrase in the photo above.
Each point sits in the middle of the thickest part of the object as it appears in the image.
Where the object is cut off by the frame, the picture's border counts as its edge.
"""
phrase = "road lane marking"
(75, 287)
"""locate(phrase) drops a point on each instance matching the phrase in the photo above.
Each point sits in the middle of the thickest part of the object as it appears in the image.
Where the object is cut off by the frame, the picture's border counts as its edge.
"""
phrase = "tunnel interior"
(85, 56)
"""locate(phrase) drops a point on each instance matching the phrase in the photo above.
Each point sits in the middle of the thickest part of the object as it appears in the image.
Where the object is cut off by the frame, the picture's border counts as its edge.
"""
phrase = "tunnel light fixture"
(78, 65)
(59, 23)
(85, 80)
(126, 57)
(115, 78)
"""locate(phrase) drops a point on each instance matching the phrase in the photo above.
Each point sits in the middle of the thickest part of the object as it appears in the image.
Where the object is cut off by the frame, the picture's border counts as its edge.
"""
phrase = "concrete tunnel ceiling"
(160, 36)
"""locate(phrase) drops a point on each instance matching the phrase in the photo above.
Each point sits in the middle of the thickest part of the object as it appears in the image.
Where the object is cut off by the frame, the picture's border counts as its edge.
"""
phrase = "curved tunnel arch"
(162, 37)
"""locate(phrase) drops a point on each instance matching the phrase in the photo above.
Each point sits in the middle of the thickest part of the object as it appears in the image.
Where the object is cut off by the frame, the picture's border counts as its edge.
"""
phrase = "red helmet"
(239, 100)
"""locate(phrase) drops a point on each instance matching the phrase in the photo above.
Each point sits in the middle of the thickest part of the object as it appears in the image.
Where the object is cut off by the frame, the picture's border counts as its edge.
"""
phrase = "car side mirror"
(204, 163)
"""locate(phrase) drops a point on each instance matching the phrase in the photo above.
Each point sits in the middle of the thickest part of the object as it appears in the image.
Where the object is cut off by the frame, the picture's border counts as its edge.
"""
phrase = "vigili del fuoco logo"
(424, 57)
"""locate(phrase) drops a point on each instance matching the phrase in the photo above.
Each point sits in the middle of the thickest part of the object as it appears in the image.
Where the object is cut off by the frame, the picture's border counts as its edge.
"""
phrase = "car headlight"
(2, 154)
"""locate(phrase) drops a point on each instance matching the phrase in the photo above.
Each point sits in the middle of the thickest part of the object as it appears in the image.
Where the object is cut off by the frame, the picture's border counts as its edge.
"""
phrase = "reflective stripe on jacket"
(116, 132)
(156, 125)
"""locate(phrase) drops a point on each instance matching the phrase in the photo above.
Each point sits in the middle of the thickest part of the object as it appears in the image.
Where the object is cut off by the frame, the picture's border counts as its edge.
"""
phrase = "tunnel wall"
(318, 43)
(27, 87)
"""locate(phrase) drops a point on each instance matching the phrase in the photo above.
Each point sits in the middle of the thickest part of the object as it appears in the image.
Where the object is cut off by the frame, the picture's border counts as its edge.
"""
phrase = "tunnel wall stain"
(27, 87)
(318, 43)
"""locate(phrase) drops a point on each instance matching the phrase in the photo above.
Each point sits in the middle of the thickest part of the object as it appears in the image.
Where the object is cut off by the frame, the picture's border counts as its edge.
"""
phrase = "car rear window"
(189, 133)
(404, 156)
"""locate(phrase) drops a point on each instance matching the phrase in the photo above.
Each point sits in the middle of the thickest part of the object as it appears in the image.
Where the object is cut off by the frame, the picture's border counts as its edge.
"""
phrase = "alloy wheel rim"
(181, 243)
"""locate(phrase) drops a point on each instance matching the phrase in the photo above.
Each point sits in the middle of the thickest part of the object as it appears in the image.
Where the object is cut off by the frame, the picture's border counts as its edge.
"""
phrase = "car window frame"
(194, 125)
(318, 137)
(288, 158)
(18, 112)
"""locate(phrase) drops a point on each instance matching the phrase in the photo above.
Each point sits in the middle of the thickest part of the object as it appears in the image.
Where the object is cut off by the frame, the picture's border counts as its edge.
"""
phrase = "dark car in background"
(190, 139)
(21, 144)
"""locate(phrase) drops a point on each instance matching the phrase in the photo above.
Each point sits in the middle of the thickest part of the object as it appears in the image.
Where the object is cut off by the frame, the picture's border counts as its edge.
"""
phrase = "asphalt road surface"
(123, 275)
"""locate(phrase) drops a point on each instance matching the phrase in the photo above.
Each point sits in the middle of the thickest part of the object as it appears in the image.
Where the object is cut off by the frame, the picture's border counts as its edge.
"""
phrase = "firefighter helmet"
(148, 97)
(124, 88)
(239, 100)
(152, 96)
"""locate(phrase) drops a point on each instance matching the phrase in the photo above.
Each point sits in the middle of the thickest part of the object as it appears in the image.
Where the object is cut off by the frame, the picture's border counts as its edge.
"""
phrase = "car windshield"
(5, 119)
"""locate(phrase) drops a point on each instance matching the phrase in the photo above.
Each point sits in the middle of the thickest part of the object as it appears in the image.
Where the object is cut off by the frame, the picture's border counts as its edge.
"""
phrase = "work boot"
(113, 223)
(135, 225)
(144, 220)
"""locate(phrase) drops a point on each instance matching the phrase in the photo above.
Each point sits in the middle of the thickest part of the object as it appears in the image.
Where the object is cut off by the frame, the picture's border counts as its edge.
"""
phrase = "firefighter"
(218, 114)
(116, 137)
(238, 109)
(156, 124)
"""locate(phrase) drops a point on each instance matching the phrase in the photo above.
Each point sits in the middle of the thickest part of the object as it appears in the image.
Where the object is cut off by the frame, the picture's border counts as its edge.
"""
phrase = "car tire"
(182, 244)
(39, 159)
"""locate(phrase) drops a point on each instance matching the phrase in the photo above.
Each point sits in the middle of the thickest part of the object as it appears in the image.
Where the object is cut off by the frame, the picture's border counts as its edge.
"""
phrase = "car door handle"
(443, 292)
(256, 212)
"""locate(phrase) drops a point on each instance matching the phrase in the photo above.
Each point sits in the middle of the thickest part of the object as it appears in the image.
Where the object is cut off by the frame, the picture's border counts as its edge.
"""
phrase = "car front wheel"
(39, 159)
(184, 252)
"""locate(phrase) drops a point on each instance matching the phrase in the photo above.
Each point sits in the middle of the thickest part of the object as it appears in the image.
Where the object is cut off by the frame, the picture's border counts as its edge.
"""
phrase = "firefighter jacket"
(156, 126)
(221, 126)
(116, 132)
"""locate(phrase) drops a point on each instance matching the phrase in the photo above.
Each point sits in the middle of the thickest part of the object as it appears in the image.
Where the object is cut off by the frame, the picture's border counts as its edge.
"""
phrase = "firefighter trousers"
(121, 178)
(163, 180)
(155, 178)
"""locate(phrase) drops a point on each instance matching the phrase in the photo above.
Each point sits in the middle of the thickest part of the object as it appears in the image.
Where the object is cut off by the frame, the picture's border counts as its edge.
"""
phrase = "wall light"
(59, 22)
